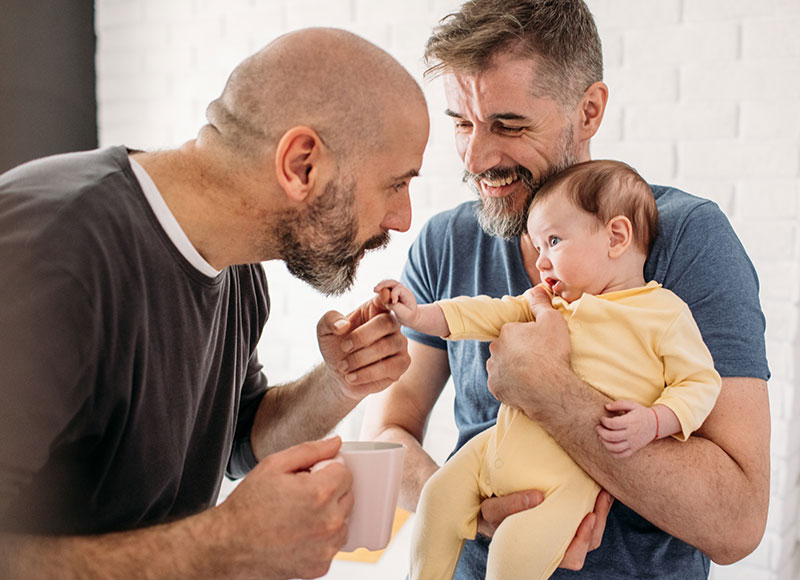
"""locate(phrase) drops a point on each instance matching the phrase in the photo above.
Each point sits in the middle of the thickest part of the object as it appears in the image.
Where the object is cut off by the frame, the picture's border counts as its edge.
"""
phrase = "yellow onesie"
(640, 344)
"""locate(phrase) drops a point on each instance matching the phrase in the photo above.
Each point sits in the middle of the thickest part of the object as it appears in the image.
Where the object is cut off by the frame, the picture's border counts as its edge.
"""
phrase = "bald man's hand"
(365, 350)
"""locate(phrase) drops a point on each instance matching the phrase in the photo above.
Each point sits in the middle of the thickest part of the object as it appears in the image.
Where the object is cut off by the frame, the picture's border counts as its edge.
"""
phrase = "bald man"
(132, 302)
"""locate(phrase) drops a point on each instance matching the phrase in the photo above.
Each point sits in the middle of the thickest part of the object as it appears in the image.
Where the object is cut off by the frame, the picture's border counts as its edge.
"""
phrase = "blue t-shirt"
(696, 254)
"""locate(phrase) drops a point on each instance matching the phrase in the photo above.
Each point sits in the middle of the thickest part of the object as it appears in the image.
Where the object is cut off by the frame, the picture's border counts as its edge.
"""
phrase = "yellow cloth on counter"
(372, 556)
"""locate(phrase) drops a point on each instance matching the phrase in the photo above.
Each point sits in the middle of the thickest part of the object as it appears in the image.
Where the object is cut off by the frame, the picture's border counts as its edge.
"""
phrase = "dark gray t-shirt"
(696, 255)
(128, 380)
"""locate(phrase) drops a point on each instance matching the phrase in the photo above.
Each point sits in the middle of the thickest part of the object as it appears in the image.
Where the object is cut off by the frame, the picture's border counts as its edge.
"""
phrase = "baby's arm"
(427, 318)
(691, 388)
(635, 426)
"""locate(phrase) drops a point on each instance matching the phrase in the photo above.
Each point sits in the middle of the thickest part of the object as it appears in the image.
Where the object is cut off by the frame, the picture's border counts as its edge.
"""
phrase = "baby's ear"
(620, 235)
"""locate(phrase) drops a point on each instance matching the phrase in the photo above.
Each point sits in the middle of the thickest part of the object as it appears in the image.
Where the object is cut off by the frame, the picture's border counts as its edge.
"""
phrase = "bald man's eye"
(400, 186)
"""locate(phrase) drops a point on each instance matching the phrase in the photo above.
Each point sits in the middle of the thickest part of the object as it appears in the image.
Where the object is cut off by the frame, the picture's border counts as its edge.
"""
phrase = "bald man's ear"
(591, 109)
(300, 162)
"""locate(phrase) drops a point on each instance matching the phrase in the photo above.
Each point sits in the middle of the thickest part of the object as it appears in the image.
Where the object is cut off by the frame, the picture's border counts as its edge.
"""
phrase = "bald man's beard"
(319, 244)
(507, 217)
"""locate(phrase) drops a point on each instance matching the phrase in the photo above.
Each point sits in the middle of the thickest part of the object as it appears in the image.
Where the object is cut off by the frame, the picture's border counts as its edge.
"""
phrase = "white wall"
(704, 96)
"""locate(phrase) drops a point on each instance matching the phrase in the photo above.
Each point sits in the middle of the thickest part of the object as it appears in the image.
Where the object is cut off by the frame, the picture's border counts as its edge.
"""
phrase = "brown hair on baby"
(605, 189)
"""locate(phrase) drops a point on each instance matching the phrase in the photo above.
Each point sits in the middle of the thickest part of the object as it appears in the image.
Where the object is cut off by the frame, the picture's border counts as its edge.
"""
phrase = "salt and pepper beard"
(498, 216)
(318, 244)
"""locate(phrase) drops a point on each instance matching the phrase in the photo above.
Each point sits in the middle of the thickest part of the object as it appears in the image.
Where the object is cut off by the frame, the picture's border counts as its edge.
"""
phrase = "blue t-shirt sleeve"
(704, 263)
(421, 273)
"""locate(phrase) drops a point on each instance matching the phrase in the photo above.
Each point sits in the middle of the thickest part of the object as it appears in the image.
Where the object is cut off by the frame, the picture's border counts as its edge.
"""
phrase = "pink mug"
(377, 469)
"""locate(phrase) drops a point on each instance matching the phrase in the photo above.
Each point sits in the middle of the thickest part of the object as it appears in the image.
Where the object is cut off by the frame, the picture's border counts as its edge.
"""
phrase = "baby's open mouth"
(554, 284)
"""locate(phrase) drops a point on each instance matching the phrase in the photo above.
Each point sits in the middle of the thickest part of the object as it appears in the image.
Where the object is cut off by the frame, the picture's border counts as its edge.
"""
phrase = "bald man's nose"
(398, 217)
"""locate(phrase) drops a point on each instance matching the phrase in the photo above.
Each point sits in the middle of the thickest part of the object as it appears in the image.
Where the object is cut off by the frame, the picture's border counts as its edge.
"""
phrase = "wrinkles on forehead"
(500, 93)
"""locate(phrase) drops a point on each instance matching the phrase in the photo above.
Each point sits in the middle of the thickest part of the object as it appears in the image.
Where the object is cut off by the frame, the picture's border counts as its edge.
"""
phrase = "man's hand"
(588, 536)
(286, 521)
(533, 355)
(365, 350)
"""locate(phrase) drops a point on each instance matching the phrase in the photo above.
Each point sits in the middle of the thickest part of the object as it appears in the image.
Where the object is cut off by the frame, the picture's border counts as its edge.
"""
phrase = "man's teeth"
(498, 182)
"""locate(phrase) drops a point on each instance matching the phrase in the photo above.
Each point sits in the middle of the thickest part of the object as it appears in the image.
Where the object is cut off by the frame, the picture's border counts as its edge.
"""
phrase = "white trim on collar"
(169, 223)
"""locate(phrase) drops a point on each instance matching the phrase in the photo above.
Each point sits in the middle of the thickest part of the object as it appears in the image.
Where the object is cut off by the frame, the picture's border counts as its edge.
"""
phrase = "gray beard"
(318, 245)
(497, 216)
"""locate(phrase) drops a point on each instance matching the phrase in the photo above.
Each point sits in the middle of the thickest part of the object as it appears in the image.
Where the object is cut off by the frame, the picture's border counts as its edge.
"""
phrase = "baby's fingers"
(622, 406)
(619, 449)
(610, 435)
(615, 423)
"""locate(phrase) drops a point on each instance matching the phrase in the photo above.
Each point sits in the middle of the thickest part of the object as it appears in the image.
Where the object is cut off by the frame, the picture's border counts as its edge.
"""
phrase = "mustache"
(495, 173)
(377, 242)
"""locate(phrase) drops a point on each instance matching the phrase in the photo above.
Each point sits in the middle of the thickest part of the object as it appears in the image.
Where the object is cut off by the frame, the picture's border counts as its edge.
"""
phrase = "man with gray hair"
(524, 86)
(133, 301)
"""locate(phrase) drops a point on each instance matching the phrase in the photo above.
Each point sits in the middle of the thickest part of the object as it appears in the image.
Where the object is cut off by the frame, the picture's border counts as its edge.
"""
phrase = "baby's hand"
(399, 299)
(631, 429)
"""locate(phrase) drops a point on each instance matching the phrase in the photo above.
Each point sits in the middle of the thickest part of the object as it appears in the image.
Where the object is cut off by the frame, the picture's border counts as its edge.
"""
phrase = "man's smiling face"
(509, 139)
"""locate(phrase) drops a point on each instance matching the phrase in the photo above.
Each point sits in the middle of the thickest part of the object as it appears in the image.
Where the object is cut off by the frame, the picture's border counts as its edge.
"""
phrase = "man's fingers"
(380, 324)
(332, 322)
(576, 552)
(495, 509)
(366, 312)
(602, 506)
(589, 534)
(379, 375)
(305, 455)
(385, 297)
(387, 346)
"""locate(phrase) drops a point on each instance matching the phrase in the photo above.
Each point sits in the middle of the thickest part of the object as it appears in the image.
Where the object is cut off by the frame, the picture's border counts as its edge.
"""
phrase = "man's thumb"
(305, 455)
(332, 322)
(540, 301)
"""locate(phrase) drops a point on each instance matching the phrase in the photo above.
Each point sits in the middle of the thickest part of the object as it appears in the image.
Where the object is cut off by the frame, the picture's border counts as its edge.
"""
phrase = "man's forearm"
(677, 485)
(418, 466)
(303, 410)
(184, 549)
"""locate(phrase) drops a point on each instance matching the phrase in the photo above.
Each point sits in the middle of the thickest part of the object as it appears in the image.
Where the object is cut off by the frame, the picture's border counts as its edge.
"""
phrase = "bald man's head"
(339, 84)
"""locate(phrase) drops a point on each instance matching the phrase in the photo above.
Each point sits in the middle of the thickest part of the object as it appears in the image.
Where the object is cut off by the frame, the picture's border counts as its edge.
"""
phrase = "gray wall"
(47, 79)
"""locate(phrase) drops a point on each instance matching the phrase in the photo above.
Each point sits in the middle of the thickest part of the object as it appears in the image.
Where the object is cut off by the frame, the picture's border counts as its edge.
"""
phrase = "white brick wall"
(703, 95)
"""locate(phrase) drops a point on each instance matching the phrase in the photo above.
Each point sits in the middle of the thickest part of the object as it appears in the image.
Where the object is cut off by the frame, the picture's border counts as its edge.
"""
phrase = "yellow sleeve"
(691, 382)
(481, 317)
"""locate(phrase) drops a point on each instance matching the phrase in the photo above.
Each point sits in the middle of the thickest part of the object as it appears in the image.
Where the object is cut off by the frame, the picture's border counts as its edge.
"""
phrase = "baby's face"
(573, 248)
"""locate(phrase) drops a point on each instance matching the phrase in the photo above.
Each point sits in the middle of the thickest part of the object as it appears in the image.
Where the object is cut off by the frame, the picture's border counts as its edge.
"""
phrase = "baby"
(592, 225)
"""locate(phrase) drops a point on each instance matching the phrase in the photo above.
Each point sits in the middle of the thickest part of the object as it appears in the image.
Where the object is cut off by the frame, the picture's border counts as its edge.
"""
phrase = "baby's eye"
(554, 240)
